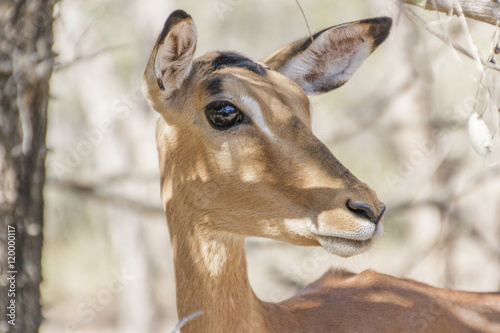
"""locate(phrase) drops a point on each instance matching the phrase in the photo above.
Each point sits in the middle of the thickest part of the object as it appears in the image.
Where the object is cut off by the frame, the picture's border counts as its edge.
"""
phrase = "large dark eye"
(223, 115)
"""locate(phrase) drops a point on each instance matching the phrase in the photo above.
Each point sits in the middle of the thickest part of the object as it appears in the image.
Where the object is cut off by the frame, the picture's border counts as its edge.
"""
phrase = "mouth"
(349, 244)
(344, 247)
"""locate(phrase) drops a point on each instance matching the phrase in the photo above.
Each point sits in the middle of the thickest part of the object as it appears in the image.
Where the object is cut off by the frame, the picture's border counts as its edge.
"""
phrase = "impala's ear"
(171, 60)
(332, 56)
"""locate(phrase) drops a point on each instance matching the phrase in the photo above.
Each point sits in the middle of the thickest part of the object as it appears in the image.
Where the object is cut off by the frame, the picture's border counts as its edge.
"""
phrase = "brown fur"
(271, 177)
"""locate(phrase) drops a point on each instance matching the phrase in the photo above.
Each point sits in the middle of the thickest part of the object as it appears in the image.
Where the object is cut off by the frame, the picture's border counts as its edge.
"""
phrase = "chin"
(345, 247)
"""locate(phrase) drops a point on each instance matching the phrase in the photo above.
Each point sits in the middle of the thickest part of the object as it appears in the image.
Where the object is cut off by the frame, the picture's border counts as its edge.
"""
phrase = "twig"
(468, 36)
(93, 191)
(186, 319)
(86, 57)
(434, 7)
(411, 14)
(305, 19)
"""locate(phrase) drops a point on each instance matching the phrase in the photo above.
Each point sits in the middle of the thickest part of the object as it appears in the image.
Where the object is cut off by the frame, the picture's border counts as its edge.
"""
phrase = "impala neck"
(211, 275)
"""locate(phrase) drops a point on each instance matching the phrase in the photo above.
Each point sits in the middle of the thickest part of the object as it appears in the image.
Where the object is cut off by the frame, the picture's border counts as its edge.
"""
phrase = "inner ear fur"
(329, 59)
(171, 60)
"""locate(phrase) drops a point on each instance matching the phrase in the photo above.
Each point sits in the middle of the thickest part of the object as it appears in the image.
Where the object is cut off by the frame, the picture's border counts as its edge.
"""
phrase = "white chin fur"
(344, 247)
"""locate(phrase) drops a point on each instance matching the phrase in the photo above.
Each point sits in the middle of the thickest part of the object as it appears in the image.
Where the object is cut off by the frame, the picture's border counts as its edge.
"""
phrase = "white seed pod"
(479, 135)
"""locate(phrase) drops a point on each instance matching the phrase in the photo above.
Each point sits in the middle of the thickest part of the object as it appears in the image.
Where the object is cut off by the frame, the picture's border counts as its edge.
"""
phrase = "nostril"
(363, 209)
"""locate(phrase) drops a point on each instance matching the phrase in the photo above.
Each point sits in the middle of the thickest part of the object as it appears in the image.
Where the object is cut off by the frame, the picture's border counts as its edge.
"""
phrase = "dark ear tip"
(179, 14)
(175, 17)
(379, 29)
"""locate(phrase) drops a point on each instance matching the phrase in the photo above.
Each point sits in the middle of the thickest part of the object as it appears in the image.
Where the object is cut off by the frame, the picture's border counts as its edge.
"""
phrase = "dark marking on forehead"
(231, 59)
(215, 85)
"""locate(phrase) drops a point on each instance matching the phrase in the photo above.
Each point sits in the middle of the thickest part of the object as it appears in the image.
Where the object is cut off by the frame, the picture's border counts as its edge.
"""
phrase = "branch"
(487, 11)
(86, 57)
(186, 319)
(93, 190)
(411, 14)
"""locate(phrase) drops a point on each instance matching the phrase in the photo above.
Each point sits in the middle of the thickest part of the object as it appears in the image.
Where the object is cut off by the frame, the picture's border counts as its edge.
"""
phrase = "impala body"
(238, 158)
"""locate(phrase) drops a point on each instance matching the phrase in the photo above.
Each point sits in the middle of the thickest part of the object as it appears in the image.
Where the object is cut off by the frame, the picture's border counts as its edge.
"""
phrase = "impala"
(238, 158)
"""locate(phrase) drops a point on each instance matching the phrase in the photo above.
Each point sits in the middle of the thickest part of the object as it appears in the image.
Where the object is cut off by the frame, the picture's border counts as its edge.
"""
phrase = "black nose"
(366, 210)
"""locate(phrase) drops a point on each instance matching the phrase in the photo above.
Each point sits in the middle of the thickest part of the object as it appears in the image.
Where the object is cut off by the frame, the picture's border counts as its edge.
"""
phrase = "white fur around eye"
(257, 115)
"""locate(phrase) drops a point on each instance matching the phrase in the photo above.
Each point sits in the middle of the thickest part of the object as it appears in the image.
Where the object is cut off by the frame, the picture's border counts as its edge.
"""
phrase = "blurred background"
(400, 125)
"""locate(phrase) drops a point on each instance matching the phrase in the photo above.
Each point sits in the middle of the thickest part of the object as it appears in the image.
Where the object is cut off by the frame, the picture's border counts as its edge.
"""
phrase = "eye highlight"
(223, 115)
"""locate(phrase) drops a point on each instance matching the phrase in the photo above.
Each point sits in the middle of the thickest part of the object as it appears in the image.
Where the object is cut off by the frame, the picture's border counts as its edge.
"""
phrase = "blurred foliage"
(103, 210)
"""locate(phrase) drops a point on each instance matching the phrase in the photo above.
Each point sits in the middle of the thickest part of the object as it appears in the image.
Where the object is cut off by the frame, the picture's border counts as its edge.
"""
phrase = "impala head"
(236, 149)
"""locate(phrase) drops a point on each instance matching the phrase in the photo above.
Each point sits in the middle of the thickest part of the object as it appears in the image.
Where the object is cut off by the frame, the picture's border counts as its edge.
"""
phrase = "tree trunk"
(26, 61)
